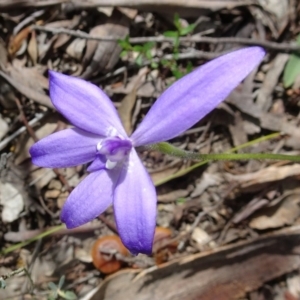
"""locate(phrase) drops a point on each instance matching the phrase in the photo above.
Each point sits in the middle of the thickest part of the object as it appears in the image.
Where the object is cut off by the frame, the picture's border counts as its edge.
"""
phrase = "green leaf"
(171, 34)
(125, 44)
(138, 48)
(165, 62)
(52, 286)
(176, 22)
(176, 54)
(139, 60)
(181, 201)
(189, 67)
(68, 295)
(292, 68)
(177, 74)
(176, 48)
(148, 46)
(123, 53)
(154, 65)
(148, 54)
(61, 282)
(187, 30)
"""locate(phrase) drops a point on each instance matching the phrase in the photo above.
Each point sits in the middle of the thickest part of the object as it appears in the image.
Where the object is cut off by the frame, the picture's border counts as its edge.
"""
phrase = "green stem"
(201, 163)
(169, 149)
(35, 238)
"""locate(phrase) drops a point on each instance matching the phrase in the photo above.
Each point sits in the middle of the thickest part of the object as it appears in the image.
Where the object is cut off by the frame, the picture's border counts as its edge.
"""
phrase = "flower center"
(115, 150)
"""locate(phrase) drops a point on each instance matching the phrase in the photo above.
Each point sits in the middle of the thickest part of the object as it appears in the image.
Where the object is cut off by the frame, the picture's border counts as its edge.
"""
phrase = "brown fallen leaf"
(12, 76)
(63, 39)
(284, 213)
(162, 174)
(125, 110)
(207, 179)
(15, 42)
(264, 97)
(127, 104)
(254, 181)
(274, 14)
(237, 130)
(33, 48)
(293, 284)
(76, 47)
(102, 57)
(151, 86)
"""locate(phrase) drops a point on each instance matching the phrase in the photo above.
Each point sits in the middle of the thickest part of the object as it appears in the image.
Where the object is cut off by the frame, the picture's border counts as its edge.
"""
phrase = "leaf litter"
(226, 217)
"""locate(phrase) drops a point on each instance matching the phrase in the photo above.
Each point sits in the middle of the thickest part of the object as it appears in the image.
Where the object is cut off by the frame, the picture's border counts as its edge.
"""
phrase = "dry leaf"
(125, 110)
(200, 236)
(265, 94)
(253, 181)
(160, 175)
(102, 57)
(208, 179)
(3, 127)
(277, 216)
(26, 85)
(75, 49)
(41, 177)
(293, 283)
(16, 41)
(279, 10)
(11, 200)
(33, 48)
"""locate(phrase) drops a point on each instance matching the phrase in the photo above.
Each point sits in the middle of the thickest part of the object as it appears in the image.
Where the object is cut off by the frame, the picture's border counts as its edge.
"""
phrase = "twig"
(13, 273)
(35, 138)
(3, 160)
(109, 224)
(7, 140)
(142, 261)
(286, 47)
(24, 120)
(180, 56)
(79, 4)
(28, 20)
(63, 180)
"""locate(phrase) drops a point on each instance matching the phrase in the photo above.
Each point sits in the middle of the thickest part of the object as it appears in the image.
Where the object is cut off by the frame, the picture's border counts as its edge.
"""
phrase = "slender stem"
(201, 163)
(37, 237)
(247, 156)
(174, 151)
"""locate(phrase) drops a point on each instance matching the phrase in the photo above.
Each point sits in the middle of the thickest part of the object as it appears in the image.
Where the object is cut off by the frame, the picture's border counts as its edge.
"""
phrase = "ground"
(226, 229)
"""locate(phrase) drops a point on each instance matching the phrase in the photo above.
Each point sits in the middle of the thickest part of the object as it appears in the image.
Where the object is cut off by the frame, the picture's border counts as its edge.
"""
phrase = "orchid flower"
(117, 175)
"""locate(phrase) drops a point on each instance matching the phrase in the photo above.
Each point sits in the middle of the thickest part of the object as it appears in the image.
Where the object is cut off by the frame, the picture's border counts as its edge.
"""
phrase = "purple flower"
(117, 176)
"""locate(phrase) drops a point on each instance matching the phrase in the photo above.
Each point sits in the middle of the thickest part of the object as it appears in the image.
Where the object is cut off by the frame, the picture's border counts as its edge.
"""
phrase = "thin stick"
(7, 140)
(287, 47)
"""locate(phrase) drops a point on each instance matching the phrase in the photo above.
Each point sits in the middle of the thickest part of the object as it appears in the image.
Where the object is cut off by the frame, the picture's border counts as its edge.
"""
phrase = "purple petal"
(97, 164)
(89, 199)
(191, 98)
(135, 206)
(66, 148)
(84, 105)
